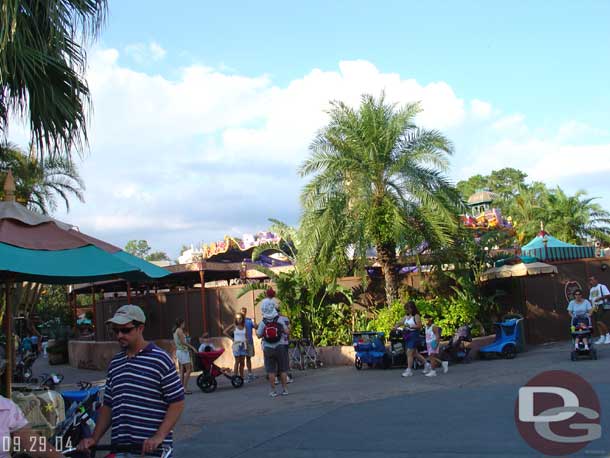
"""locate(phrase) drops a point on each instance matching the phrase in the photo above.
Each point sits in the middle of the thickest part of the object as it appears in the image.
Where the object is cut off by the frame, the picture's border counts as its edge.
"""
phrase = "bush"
(449, 314)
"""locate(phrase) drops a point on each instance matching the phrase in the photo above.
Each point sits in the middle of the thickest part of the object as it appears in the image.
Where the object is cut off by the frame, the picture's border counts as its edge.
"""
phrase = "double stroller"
(581, 329)
(369, 347)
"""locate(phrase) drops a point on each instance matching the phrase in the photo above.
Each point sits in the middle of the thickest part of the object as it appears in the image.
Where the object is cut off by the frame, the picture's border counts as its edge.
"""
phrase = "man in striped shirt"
(143, 398)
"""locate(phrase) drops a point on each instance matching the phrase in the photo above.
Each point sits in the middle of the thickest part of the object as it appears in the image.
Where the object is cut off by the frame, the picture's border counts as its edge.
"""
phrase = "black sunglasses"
(123, 330)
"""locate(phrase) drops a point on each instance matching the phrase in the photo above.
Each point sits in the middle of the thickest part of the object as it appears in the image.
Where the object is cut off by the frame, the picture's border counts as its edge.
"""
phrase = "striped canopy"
(555, 249)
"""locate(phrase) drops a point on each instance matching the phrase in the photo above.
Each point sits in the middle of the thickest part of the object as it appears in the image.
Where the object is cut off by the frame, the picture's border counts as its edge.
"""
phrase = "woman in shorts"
(185, 367)
(237, 331)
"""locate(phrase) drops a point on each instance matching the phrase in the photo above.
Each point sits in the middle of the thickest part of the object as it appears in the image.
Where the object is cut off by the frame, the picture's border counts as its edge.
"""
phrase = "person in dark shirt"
(143, 398)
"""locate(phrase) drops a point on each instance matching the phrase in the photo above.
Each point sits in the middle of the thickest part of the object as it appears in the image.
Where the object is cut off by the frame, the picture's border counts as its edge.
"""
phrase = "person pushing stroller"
(580, 309)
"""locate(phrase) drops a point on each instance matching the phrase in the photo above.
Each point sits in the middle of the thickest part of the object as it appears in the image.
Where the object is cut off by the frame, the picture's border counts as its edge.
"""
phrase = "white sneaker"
(601, 340)
(407, 373)
(273, 394)
(607, 340)
(432, 373)
(427, 368)
(445, 365)
(586, 347)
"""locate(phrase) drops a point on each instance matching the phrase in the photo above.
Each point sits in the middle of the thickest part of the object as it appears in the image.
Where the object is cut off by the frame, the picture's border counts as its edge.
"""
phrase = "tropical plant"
(40, 184)
(42, 67)
(317, 310)
(576, 219)
(377, 181)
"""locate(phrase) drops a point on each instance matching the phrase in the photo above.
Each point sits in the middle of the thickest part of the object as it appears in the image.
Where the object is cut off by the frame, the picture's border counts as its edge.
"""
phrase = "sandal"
(188, 392)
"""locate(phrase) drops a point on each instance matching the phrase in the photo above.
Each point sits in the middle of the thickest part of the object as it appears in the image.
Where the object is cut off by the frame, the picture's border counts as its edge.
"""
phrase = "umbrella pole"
(8, 332)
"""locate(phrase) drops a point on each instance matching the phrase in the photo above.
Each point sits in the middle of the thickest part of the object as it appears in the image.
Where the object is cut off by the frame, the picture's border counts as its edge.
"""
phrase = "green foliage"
(53, 305)
(376, 180)
(387, 317)
(158, 256)
(574, 219)
(42, 69)
(139, 248)
(41, 184)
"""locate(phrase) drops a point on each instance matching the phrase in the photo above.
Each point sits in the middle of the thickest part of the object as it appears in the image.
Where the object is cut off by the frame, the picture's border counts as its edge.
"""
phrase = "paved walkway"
(341, 412)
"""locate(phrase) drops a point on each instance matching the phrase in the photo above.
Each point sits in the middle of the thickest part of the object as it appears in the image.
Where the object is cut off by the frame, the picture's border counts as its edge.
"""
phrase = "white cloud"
(145, 52)
(480, 109)
(214, 152)
(513, 122)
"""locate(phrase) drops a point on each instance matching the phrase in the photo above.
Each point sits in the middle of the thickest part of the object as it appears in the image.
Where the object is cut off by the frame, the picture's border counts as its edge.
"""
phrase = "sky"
(203, 113)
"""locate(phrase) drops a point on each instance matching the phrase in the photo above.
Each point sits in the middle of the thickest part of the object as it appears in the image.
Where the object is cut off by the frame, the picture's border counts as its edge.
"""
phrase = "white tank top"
(410, 322)
(239, 335)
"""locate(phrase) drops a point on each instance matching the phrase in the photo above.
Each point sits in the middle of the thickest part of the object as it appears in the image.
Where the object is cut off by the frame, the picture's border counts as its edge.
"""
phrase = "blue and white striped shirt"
(139, 390)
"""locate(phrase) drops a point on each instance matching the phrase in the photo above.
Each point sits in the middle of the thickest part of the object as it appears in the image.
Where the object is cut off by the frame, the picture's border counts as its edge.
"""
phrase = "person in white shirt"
(599, 295)
(17, 435)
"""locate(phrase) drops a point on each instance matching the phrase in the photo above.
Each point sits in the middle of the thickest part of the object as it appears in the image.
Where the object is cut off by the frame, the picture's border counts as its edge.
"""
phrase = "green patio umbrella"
(41, 249)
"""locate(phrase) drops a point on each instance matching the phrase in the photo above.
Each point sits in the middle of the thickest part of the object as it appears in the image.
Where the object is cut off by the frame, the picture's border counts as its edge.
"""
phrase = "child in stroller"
(456, 350)
(580, 310)
(581, 332)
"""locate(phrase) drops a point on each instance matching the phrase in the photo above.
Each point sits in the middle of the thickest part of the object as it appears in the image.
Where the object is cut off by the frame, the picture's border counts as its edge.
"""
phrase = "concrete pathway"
(340, 412)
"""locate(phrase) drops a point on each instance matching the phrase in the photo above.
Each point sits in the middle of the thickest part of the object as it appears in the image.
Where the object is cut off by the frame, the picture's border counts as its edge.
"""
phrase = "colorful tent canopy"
(546, 247)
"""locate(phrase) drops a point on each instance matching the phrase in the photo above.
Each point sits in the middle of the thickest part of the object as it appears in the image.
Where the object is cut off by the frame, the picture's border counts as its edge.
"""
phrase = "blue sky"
(204, 110)
(552, 62)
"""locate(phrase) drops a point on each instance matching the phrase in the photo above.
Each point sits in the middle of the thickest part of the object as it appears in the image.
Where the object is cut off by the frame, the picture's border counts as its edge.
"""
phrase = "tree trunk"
(386, 255)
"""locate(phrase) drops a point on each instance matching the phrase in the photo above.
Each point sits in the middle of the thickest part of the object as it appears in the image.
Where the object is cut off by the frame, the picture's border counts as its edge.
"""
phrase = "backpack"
(272, 332)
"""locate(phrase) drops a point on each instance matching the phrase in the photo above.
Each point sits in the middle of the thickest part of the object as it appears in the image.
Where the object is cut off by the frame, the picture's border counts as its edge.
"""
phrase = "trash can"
(520, 330)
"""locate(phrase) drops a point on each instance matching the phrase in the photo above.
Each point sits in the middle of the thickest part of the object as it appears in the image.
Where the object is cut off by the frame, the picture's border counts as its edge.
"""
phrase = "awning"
(518, 270)
(546, 247)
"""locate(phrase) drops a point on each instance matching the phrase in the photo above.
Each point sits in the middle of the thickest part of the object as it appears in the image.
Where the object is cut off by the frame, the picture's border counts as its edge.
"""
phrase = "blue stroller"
(369, 347)
(508, 335)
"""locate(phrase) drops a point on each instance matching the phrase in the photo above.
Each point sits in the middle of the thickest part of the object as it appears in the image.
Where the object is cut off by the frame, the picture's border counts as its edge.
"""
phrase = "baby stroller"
(456, 351)
(582, 329)
(207, 379)
(81, 415)
(398, 354)
(369, 347)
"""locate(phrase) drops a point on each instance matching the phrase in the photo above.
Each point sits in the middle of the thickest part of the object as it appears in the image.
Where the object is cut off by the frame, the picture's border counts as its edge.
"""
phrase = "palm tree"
(576, 219)
(41, 184)
(377, 181)
(42, 66)
(527, 209)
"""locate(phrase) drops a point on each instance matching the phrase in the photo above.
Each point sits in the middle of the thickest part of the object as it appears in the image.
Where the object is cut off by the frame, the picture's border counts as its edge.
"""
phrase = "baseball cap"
(128, 313)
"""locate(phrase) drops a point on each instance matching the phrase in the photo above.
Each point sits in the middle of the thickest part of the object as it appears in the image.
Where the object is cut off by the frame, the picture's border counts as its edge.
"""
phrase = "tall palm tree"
(377, 180)
(527, 209)
(576, 218)
(42, 66)
(40, 185)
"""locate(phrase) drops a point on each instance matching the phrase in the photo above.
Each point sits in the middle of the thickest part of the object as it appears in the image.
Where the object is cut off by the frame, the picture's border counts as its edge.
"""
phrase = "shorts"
(602, 316)
(250, 349)
(276, 359)
(183, 356)
(412, 340)
(239, 349)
